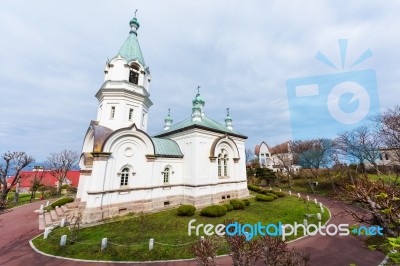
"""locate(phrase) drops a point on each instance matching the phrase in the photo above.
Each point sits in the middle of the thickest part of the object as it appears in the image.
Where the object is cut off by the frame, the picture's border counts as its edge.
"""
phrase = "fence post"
(308, 198)
(46, 232)
(47, 204)
(63, 240)
(316, 201)
(305, 222)
(103, 244)
(290, 193)
(41, 208)
(151, 243)
(62, 223)
(298, 195)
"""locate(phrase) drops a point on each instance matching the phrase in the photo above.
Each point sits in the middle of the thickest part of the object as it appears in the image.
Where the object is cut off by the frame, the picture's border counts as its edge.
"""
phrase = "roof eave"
(200, 127)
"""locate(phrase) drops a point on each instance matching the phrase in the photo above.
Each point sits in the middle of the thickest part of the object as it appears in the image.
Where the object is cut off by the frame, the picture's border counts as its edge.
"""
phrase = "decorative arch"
(138, 135)
(227, 143)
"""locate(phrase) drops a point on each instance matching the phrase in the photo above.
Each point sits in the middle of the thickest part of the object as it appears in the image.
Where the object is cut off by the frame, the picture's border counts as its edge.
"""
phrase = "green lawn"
(388, 179)
(129, 236)
(22, 200)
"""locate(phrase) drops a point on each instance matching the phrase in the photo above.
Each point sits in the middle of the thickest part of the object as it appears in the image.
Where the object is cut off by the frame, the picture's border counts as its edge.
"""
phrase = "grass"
(129, 236)
(388, 179)
(22, 200)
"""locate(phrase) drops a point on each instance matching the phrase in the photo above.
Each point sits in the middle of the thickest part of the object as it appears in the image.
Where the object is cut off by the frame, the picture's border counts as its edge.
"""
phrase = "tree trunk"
(59, 187)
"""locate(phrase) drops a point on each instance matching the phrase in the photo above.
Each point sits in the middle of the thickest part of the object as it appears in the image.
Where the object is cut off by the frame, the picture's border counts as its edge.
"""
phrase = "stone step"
(65, 209)
(60, 212)
(54, 216)
(47, 219)
(72, 205)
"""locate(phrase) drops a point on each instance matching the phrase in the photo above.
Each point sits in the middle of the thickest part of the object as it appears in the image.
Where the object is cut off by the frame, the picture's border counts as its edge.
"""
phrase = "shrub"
(186, 210)
(264, 198)
(271, 195)
(72, 190)
(237, 204)
(278, 193)
(61, 202)
(214, 211)
(247, 202)
(255, 188)
(65, 186)
(228, 207)
(52, 191)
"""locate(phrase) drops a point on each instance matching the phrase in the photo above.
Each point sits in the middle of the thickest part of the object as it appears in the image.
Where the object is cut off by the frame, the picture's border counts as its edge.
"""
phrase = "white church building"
(196, 161)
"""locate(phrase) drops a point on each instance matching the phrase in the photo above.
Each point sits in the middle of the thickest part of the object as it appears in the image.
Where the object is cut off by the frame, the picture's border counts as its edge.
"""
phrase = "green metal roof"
(205, 122)
(166, 147)
(130, 50)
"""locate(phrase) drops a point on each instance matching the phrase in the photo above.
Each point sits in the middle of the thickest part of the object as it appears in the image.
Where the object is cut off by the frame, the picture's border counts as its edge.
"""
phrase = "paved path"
(337, 250)
(20, 225)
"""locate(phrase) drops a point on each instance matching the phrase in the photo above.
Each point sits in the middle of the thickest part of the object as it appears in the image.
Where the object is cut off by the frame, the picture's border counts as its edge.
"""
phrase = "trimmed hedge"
(279, 193)
(61, 202)
(255, 188)
(228, 207)
(247, 202)
(271, 195)
(237, 204)
(186, 210)
(264, 198)
(214, 211)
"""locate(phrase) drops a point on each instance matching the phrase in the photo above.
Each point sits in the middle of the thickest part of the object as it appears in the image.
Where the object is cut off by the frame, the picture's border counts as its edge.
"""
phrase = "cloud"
(241, 53)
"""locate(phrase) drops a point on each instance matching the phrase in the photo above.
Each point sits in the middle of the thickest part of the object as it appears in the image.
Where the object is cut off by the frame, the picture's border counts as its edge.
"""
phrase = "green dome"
(168, 119)
(198, 99)
(134, 22)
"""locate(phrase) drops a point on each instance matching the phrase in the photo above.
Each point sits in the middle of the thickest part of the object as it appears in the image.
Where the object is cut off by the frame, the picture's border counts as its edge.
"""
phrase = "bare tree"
(249, 155)
(36, 181)
(17, 161)
(360, 144)
(58, 165)
(389, 130)
(379, 199)
(313, 154)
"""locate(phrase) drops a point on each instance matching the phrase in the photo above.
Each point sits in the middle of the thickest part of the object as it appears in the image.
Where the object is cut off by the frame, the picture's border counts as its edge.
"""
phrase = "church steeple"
(228, 120)
(124, 97)
(168, 120)
(198, 106)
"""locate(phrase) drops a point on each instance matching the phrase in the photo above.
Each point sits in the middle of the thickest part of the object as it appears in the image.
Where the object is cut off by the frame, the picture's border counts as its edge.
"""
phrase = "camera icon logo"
(324, 105)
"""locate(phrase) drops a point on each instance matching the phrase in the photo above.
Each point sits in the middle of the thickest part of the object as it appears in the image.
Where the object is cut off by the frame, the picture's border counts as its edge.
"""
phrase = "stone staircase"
(53, 217)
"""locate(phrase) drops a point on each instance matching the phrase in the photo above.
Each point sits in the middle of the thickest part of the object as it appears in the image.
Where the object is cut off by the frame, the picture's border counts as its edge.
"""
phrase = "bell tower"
(124, 97)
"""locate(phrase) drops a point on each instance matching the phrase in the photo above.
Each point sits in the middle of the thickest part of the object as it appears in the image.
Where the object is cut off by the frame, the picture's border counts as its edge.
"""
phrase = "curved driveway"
(19, 225)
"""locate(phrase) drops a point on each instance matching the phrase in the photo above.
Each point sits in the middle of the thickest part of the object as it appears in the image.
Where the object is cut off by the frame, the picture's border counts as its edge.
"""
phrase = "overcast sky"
(241, 52)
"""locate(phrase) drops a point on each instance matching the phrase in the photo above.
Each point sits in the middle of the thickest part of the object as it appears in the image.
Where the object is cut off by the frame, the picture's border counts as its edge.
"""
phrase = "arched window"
(124, 177)
(223, 163)
(166, 174)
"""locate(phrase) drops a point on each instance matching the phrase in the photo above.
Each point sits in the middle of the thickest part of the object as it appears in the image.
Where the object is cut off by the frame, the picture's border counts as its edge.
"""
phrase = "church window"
(124, 177)
(112, 115)
(130, 116)
(166, 173)
(133, 77)
(134, 74)
(223, 163)
(226, 165)
(219, 167)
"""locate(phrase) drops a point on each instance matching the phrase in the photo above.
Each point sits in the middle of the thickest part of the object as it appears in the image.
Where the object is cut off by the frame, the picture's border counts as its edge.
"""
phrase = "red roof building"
(47, 180)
